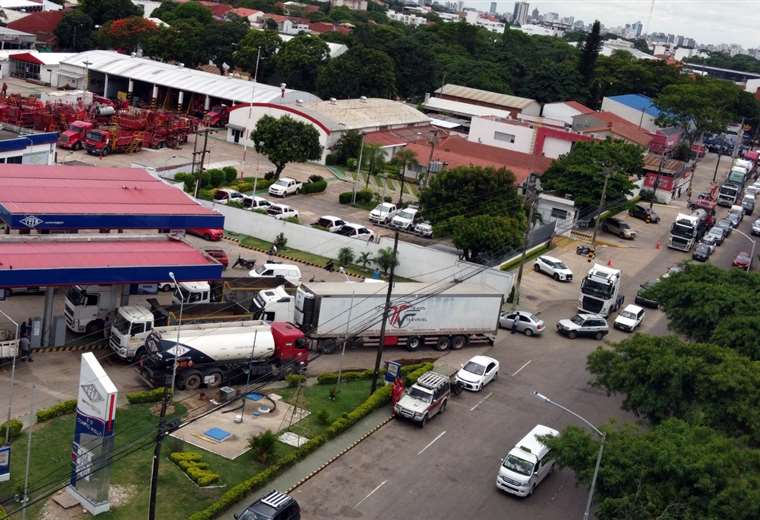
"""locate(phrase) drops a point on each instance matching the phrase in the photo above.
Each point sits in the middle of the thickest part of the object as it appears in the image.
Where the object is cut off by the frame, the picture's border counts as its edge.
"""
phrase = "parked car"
(477, 373)
(735, 215)
(274, 506)
(289, 272)
(643, 300)
(710, 241)
(424, 229)
(527, 322)
(404, 219)
(220, 255)
(618, 227)
(743, 261)
(285, 186)
(643, 213)
(726, 225)
(701, 252)
(717, 233)
(330, 223)
(210, 234)
(281, 211)
(554, 268)
(751, 191)
(424, 399)
(629, 318)
(748, 204)
(383, 213)
(226, 195)
(356, 231)
(589, 325)
(254, 203)
(527, 464)
(756, 227)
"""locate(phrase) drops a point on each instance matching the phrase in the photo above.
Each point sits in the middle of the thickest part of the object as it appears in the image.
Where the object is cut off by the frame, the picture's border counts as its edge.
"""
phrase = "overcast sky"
(707, 21)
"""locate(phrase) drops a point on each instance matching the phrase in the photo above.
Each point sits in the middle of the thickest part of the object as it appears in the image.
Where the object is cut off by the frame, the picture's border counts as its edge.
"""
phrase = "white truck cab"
(274, 305)
(131, 326)
(87, 306)
(192, 292)
(527, 464)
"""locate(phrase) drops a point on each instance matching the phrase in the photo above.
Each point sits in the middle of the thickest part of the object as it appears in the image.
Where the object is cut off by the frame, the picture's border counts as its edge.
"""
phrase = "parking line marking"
(481, 402)
(520, 369)
(432, 442)
(371, 493)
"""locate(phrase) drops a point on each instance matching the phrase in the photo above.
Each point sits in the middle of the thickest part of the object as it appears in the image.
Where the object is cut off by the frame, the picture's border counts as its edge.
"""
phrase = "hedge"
(331, 378)
(146, 396)
(191, 462)
(314, 187)
(15, 427)
(235, 494)
(62, 408)
(362, 197)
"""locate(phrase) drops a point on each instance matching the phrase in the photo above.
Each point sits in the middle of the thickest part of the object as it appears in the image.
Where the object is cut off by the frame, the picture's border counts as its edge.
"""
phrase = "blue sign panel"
(5, 463)
(393, 371)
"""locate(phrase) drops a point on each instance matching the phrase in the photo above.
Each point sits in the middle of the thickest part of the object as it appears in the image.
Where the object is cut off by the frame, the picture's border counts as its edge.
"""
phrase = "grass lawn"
(316, 399)
(412, 189)
(379, 181)
(391, 184)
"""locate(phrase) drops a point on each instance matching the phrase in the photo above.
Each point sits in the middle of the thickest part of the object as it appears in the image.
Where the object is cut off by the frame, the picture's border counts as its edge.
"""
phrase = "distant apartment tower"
(520, 14)
(637, 29)
(535, 14)
(671, 38)
(492, 10)
(354, 5)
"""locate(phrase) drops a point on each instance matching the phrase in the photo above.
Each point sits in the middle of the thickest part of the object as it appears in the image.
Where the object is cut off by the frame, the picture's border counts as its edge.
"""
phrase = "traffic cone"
(609, 262)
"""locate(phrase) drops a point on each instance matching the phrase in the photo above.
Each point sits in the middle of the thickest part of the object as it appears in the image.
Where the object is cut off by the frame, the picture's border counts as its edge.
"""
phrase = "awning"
(26, 58)
(72, 75)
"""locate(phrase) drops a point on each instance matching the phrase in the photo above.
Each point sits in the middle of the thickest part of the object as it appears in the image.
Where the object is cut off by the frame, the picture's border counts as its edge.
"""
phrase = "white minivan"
(527, 464)
(287, 272)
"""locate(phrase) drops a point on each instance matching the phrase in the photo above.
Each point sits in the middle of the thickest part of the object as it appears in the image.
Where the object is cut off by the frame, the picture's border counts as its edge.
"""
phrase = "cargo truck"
(728, 194)
(600, 291)
(133, 323)
(215, 354)
(329, 313)
(105, 141)
(688, 229)
(73, 138)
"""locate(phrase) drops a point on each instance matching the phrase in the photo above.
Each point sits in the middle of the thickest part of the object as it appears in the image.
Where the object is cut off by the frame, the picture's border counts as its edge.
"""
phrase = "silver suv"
(589, 325)
(424, 399)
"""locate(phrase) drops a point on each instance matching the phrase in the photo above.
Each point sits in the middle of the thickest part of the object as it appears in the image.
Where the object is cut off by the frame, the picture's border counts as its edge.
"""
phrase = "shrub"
(263, 445)
(206, 193)
(14, 425)
(235, 204)
(314, 187)
(230, 174)
(346, 256)
(295, 379)
(351, 163)
(216, 177)
(146, 396)
(280, 241)
(245, 186)
(192, 464)
(331, 378)
(62, 408)
(269, 176)
(345, 197)
(323, 417)
(316, 178)
(331, 159)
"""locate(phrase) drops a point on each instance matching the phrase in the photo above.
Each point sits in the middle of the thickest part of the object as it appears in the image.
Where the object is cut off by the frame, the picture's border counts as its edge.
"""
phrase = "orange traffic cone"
(609, 262)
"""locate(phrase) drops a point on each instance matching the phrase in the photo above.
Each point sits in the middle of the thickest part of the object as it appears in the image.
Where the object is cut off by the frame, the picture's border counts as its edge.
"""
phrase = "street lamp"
(179, 326)
(602, 437)
(754, 243)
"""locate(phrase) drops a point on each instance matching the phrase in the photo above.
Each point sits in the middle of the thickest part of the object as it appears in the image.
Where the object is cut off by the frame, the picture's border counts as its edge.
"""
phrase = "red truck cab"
(73, 138)
(290, 344)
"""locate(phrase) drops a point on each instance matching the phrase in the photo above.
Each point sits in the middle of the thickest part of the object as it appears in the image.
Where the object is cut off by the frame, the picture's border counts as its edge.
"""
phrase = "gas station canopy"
(86, 197)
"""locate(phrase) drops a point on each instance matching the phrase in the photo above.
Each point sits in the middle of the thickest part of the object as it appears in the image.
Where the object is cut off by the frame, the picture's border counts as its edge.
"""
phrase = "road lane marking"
(520, 369)
(371, 493)
(481, 402)
(432, 442)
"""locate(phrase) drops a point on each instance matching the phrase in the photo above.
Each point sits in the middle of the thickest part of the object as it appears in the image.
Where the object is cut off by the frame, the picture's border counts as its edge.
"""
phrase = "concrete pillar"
(207, 103)
(124, 295)
(47, 317)
(105, 86)
(130, 90)
(154, 96)
(180, 99)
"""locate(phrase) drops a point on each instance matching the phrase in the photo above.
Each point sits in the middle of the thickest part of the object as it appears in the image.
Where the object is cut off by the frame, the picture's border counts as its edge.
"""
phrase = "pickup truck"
(285, 186)
(383, 213)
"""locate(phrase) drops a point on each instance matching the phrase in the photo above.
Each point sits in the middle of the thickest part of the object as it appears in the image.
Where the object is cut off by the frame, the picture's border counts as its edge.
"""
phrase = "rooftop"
(580, 107)
(461, 108)
(669, 166)
(607, 121)
(638, 102)
(359, 114)
(485, 96)
(40, 22)
(42, 58)
(402, 136)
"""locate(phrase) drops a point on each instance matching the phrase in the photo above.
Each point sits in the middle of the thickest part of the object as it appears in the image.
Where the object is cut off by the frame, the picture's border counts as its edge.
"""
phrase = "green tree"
(245, 56)
(664, 377)
(286, 140)
(263, 445)
(741, 333)
(385, 259)
(580, 172)
(675, 471)
(348, 147)
(364, 259)
(299, 60)
(374, 161)
(590, 53)
(485, 237)
(220, 37)
(102, 11)
(359, 72)
(622, 73)
(75, 31)
(346, 256)
(185, 11)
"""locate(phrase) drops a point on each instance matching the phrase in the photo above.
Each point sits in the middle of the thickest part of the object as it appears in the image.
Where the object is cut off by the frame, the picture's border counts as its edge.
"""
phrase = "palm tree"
(373, 159)
(385, 259)
(364, 259)
(346, 256)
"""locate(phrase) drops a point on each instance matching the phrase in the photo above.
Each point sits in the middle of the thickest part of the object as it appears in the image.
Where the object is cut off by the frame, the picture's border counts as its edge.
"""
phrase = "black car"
(701, 252)
(274, 506)
(643, 213)
(644, 301)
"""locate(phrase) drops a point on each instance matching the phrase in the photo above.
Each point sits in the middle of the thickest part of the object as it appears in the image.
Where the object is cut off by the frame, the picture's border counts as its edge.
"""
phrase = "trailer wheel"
(414, 342)
(216, 382)
(457, 342)
(190, 380)
(442, 343)
(355, 343)
(327, 346)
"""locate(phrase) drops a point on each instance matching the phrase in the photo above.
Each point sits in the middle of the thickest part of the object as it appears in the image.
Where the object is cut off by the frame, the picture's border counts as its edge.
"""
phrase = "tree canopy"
(590, 53)
(284, 140)
(102, 11)
(75, 31)
(247, 53)
(126, 34)
(358, 72)
(299, 60)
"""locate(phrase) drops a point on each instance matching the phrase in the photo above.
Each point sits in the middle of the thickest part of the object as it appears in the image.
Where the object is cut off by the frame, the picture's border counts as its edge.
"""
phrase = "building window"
(559, 214)
(503, 136)
(14, 160)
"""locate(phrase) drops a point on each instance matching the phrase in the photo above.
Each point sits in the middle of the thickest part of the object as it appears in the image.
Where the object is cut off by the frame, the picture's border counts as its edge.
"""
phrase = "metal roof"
(460, 108)
(638, 102)
(181, 78)
(358, 114)
(485, 96)
(85, 197)
(46, 260)
(328, 289)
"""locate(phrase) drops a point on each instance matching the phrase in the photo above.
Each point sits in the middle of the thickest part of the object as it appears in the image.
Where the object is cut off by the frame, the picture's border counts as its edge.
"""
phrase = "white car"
(330, 223)
(226, 195)
(629, 318)
(256, 203)
(285, 186)
(424, 229)
(356, 231)
(405, 218)
(554, 268)
(281, 211)
(383, 213)
(756, 227)
(477, 373)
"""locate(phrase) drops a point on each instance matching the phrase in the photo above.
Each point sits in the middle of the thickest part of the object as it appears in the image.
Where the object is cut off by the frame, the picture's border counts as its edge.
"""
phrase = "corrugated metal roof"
(485, 96)
(181, 78)
(463, 109)
(363, 113)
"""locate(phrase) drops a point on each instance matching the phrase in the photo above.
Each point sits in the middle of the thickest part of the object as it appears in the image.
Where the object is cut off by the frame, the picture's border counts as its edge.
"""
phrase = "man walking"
(26, 348)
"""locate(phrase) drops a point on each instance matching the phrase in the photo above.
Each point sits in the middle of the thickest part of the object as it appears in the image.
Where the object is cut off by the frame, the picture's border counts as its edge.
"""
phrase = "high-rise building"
(551, 17)
(679, 41)
(637, 28)
(520, 14)
(492, 10)
(535, 14)
(671, 38)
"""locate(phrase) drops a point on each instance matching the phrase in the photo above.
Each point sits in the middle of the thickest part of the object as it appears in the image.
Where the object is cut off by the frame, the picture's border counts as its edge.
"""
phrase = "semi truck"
(73, 138)
(738, 176)
(728, 194)
(329, 313)
(237, 289)
(87, 306)
(686, 230)
(215, 354)
(600, 291)
(133, 323)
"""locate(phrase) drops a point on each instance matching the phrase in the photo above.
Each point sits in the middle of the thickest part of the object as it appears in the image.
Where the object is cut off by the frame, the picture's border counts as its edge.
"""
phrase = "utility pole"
(202, 153)
(25, 497)
(532, 190)
(656, 180)
(387, 306)
(602, 202)
(715, 173)
(250, 107)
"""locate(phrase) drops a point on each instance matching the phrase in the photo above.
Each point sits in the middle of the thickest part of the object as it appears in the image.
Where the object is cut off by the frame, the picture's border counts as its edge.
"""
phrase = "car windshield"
(703, 248)
(282, 183)
(723, 223)
(275, 209)
(577, 319)
(219, 195)
(95, 136)
(258, 512)
(627, 314)
(261, 268)
(518, 465)
(346, 230)
(474, 368)
(121, 324)
(383, 207)
(418, 393)
(407, 214)
(594, 288)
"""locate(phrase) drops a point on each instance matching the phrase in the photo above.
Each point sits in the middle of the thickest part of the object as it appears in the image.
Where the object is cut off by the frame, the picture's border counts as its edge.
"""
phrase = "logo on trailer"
(31, 221)
(404, 313)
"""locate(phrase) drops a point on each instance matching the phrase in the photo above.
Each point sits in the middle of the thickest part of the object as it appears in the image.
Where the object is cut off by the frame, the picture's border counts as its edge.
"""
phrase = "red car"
(220, 255)
(743, 260)
(214, 235)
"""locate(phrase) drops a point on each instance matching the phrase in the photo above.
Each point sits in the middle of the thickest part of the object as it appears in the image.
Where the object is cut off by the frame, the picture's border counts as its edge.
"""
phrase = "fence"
(420, 263)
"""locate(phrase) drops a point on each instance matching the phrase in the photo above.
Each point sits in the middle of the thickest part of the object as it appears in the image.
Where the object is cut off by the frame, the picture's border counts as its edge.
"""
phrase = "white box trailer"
(449, 315)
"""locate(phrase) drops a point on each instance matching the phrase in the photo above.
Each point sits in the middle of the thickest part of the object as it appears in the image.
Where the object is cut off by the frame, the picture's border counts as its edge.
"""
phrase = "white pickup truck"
(285, 186)
(383, 213)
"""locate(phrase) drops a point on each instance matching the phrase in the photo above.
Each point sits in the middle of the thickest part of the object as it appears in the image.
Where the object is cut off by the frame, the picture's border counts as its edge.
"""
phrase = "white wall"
(533, 109)
(417, 262)
(630, 114)
(547, 204)
(561, 112)
(483, 130)
(554, 147)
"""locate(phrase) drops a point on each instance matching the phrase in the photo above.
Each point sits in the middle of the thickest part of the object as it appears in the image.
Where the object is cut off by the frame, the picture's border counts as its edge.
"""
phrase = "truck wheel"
(355, 343)
(442, 343)
(457, 342)
(598, 336)
(216, 382)
(423, 422)
(106, 151)
(536, 268)
(414, 342)
(94, 327)
(78, 146)
(139, 354)
(328, 346)
(190, 380)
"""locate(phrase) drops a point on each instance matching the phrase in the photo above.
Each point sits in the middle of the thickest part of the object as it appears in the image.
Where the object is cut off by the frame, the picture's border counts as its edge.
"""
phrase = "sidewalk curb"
(340, 454)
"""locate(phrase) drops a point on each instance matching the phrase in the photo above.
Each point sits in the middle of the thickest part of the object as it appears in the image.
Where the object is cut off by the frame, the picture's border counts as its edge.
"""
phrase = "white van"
(527, 464)
(288, 272)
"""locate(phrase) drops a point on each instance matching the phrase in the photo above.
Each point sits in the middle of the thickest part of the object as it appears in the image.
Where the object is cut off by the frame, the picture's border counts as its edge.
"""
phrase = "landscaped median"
(377, 399)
